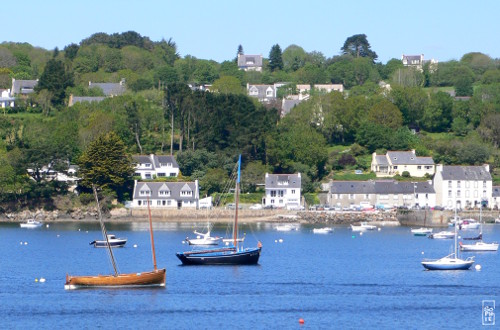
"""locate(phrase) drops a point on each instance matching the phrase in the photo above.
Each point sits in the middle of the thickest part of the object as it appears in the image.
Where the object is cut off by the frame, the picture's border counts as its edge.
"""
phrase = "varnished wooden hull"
(145, 279)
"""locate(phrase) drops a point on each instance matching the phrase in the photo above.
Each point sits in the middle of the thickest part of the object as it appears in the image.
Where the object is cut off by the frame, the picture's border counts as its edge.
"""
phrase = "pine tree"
(275, 58)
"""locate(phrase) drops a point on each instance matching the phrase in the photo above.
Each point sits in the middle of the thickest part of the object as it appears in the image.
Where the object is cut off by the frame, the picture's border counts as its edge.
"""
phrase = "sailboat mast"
(237, 199)
(151, 235)
(105, 232)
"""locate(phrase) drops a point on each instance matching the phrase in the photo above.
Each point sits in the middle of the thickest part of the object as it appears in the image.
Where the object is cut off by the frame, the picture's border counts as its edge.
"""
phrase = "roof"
(261, 90)
(381, 160)
(155, 160)
(288, 105)
(381, 187)
(277, 181)
(175, 189)
(110, 89)
(408, 158)
(466, 173)
(80, 99)
(249, 60)
(23, 86)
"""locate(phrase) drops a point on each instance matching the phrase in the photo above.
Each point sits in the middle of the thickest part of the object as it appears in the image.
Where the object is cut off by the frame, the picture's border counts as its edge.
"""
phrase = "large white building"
(153, 166)
(283, 191)
(467, 186)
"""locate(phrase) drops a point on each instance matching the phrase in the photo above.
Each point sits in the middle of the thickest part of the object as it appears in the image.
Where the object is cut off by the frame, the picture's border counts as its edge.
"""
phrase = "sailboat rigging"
(156, 277)
(233, 254)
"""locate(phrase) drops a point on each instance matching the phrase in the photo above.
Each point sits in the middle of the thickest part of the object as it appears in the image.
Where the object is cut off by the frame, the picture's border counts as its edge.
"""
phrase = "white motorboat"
(31, 223)
(468, 224)
(479, 246)
(363, 227)
(421, 231)
(451, 261)
(286, 227)
(325, 230)
(111, 240)
(443, 235)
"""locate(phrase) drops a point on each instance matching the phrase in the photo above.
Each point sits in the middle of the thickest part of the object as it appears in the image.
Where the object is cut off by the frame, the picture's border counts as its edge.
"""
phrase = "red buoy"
(301, 321)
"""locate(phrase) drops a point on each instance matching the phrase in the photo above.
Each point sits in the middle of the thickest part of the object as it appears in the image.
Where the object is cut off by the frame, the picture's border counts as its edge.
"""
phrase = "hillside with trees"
(449, 110)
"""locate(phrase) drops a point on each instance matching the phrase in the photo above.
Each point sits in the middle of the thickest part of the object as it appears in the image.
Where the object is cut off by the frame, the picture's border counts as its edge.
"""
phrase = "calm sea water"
(331, 281)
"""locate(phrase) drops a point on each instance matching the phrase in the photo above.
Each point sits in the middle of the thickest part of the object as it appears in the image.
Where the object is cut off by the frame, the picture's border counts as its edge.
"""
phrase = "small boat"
(31, 223)
(325, 230)
(479, 246)
(443, 235)
(154, 278)
(286, 227)
(363, 227)
(421, 231)
(475, 238)
(497, 220)
(110, 240)
(233, 253)
(468, 224)
(451, 261)
(204, 238)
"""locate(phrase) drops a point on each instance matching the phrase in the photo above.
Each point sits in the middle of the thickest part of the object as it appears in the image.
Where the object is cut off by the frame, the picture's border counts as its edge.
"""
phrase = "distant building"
(397, 162)
(495, 197)
(23, 87)
(155, 166)
(381, 194)
(418, 62)
(6, 100)
(250, 62)
(283, 190)
(166, 195)
(264, 93)
(110, 89)
(82, 99)
(463, 186)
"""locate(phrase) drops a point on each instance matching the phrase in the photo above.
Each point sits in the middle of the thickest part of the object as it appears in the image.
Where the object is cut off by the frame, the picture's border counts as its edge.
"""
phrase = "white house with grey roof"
(250, 62)
(283, 191)
(264, 93)
(381, 194)
(166, 195)
(6, 101)
(397, 162)
(495, 197)
(152, 166)
(467, 186)
(23, 87)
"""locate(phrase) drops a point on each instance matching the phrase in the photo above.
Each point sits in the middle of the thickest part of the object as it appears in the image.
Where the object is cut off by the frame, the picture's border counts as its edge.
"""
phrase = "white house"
(397, 162)
(166, 194)
(283, 190)
(6, 100)
(250, 62)
(154, 166)
(495, 197)
(467, 186)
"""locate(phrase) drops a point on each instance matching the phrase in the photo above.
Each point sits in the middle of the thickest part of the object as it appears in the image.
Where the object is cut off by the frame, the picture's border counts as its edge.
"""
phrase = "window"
(351, 196)
(148, 165)
(293, 191)
(367, 196)
(395, 167)
(185, 193)
(145, 193)
(281, 193)
(164, 193)
(172, 174)
(450, 194)
(449, 184)
(161, 174)
(459, 184)
(273, 193)
(458, 193)
(147, 175)
(484, 184)
(158, 203)
(419, 167)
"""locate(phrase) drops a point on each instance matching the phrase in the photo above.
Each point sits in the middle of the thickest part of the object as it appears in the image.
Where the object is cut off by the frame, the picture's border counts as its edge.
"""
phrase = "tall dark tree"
(238, 53)
(70, 51)
(358, 46)
(55, 80)
(275, 58)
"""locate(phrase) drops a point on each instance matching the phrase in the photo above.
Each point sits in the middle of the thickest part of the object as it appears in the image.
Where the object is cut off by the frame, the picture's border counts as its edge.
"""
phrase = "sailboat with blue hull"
(232, 254)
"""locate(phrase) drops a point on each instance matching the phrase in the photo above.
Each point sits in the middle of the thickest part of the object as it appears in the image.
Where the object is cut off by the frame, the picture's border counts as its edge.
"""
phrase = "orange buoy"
(301, 321)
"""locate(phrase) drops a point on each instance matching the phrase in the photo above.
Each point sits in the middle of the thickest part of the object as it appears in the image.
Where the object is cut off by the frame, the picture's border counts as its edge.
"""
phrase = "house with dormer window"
(264, 93)
(250, 62)
(149, 167)
(165, 194)
(397, 162)
(283, 191)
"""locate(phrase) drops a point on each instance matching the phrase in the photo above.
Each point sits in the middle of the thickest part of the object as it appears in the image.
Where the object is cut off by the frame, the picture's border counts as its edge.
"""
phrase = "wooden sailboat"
(233, 254)
(156, 277)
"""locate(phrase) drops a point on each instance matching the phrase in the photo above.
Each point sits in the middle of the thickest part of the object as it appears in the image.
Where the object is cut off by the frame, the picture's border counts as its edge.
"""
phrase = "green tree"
(228, 85)
(55, 80)
(463, 80)
(358, 46)
(437, 113)
(254, 173)
(411, 101)
(294, 57)
(385, 113)
(275, 58)
(105, 163)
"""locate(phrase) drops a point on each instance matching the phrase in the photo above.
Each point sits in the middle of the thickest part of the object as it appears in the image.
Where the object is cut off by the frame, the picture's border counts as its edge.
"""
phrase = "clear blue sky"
(439, 29)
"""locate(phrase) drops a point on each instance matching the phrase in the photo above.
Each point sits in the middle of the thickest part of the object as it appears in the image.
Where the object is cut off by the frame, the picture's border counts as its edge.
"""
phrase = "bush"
(405, 174)
(86, 198)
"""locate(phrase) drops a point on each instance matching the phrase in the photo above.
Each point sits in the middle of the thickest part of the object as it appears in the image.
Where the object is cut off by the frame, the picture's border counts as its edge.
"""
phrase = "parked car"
(232, 206)
(256, 207)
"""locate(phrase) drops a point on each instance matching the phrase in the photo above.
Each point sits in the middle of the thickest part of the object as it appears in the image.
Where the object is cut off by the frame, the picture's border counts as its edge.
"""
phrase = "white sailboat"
(204, 238)
(451, 261)
(479, 245)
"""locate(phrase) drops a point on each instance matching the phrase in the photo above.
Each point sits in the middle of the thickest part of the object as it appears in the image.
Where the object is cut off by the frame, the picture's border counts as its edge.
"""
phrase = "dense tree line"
(206, 130)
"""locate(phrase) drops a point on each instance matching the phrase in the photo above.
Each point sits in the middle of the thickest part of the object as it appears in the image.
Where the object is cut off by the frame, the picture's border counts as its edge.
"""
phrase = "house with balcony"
(283, 191)
(463, 186)
(381, 194)
(150, 167)
(397, 162)
(167, 195)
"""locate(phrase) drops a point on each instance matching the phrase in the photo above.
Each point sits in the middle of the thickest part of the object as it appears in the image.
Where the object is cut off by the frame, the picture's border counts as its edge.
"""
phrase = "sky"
(440, 29)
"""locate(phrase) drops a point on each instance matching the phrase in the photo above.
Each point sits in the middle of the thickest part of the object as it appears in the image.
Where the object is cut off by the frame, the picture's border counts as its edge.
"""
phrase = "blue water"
(331, 281)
